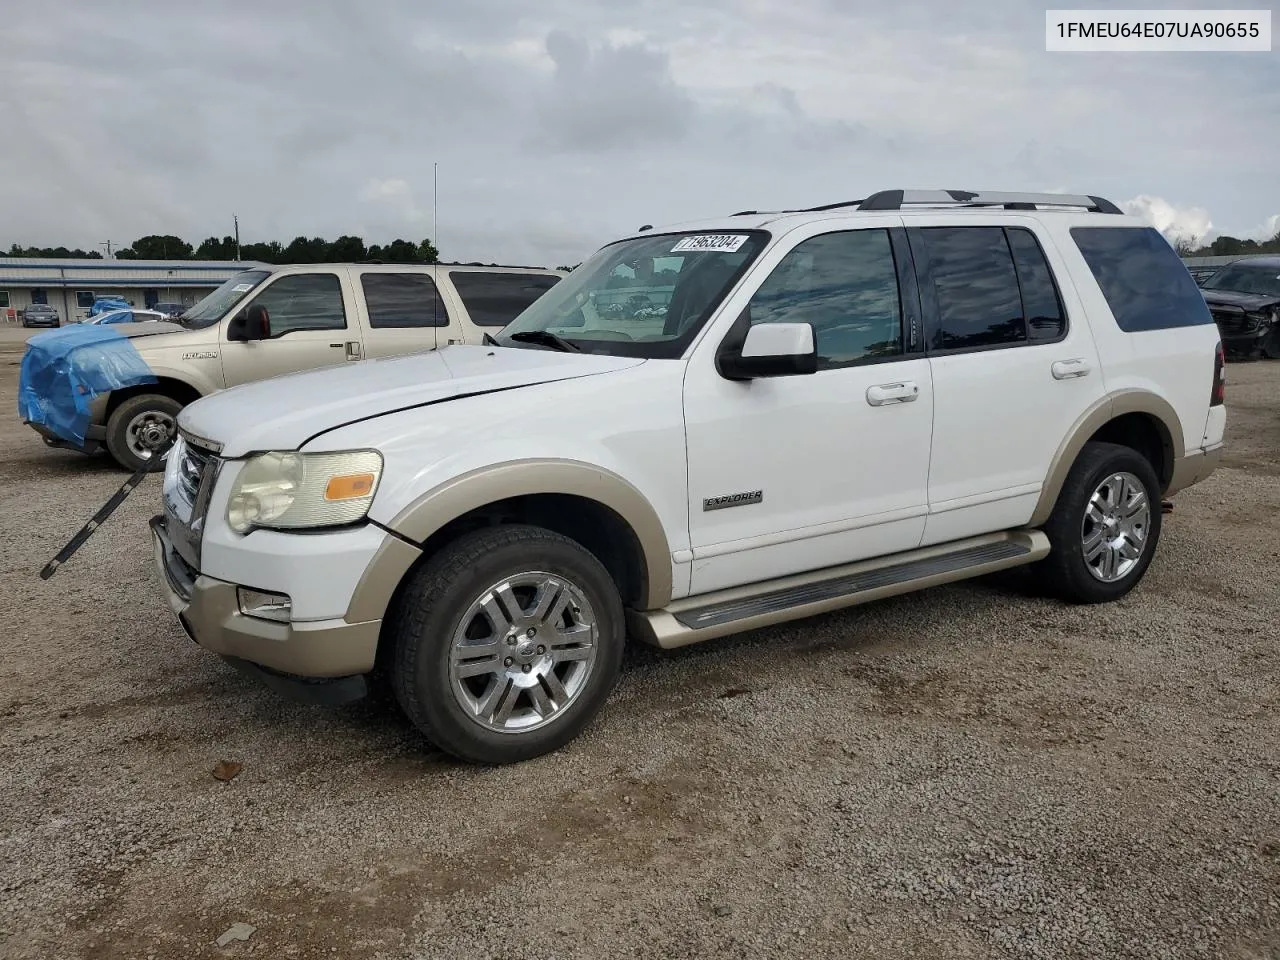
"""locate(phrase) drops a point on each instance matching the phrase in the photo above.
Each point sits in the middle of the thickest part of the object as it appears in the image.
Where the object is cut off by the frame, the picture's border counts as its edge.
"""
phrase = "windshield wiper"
(546, 338)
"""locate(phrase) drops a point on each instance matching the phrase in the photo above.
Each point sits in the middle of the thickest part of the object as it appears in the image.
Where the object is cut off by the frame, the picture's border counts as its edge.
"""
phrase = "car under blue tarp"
(103, 304)
(65, 370)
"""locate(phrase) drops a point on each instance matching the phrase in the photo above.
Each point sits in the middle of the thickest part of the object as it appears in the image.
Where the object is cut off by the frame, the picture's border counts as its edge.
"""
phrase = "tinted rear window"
(495, 299)
(1146, 285)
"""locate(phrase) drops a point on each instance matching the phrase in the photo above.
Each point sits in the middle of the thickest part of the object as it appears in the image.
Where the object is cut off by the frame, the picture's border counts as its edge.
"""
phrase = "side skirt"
(718, 614)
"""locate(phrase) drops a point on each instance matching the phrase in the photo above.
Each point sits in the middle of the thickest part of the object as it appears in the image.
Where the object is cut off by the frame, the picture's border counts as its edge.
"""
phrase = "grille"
(1233, 321)
(191, 468)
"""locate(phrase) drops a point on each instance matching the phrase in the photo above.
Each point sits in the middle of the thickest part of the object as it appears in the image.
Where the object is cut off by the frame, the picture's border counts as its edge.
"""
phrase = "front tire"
(1105, 526)
(507, 643)
(140, 429)
(1271, 345)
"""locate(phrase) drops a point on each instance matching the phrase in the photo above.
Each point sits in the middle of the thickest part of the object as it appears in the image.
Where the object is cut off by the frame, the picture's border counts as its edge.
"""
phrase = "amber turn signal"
(349, 487)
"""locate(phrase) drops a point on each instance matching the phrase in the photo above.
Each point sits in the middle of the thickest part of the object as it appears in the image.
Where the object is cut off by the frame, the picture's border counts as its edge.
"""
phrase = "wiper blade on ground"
(546, 338)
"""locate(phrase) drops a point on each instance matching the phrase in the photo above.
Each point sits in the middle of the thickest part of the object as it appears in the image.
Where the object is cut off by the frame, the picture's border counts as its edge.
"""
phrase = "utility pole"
(237, 221)
(108, 246)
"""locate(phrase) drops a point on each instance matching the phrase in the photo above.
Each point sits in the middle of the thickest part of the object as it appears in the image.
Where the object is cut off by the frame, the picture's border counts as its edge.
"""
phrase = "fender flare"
(460, 495)
(1098, 415)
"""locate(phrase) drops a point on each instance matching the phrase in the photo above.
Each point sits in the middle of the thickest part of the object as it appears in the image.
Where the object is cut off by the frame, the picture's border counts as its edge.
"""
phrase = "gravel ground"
(968, 772)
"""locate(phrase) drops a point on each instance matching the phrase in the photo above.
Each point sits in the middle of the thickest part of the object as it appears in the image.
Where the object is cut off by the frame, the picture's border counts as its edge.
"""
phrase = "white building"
(71, 286)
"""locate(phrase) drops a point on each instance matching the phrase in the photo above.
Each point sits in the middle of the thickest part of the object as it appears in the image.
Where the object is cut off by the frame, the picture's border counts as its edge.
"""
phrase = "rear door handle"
(1066, 369)
(885, 393)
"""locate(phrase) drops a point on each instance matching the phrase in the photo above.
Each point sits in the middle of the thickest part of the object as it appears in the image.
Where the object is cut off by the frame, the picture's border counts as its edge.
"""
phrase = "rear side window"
(396, 300)
(1145, 283)
(979, 302)
(1046, 320)
(495, 299)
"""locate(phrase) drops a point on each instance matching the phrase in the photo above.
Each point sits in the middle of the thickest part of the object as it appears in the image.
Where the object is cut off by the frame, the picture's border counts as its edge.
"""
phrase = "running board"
(734, 610)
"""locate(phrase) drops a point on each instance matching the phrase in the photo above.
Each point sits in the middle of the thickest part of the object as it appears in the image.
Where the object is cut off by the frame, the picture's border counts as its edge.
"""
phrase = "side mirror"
(771, 350)
(252, 323)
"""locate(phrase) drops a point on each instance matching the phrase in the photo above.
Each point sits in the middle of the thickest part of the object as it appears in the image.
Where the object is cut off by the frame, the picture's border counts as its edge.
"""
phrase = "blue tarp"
(103, 304)
(65, 369)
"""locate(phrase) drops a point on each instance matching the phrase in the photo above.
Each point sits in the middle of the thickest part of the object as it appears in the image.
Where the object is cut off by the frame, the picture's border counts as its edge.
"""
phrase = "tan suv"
(263, 322)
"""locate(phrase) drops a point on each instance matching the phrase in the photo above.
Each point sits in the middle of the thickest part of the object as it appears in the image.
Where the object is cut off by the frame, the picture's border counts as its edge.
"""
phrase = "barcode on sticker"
(719, 242)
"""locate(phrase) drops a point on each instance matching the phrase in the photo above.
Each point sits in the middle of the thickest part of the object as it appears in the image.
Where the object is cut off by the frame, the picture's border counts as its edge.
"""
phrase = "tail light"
(1218, 395)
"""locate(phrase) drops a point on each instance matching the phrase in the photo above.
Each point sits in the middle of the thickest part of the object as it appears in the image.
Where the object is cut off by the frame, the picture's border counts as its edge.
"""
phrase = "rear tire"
(506, 643)
(140, 428)
(1105, 526)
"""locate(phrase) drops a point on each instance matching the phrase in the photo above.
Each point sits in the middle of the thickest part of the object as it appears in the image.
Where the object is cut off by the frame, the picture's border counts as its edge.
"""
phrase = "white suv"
(701, 430)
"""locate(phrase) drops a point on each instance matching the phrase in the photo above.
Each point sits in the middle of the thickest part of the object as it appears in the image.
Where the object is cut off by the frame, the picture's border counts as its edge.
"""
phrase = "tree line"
(1227, 247)
(299, 250)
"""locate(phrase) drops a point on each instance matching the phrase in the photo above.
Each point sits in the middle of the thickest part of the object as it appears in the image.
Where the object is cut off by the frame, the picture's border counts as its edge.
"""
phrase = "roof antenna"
(435, 240)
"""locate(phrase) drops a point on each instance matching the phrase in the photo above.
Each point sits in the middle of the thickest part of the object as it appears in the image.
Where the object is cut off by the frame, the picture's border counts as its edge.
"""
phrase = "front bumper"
(314, 661)
(1244, 339)
(95, 437)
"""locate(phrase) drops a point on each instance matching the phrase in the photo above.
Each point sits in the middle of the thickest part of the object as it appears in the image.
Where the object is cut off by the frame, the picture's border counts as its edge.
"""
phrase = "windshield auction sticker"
(717, 242)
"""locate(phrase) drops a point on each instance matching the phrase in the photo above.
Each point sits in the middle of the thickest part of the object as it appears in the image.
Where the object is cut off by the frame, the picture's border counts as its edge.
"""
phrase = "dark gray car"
(40, 315)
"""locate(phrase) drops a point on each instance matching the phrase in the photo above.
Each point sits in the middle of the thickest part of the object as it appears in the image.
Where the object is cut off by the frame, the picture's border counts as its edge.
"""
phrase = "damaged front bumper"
(313, 662)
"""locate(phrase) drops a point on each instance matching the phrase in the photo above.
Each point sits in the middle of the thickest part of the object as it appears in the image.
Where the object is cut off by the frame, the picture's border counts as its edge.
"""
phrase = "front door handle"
(353, 349)
(1066, 369)
(885, 393)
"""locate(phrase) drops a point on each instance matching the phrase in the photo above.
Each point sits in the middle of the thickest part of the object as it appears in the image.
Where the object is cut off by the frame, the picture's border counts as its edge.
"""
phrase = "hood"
(1245, 301)
(145, 328)
(283, 413)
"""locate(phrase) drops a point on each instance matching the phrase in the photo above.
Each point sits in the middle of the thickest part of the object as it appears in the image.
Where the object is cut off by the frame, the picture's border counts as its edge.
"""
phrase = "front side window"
(846, 286)
(976, 284)
(402, 300)
(495, 299)
(643, 297)
(304, 301)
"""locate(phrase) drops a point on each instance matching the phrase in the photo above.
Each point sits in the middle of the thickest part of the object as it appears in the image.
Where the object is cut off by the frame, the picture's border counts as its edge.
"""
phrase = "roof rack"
(896, 199)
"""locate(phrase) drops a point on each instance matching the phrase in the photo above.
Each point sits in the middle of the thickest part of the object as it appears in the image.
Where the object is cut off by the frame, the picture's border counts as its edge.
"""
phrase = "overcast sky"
(561, 123)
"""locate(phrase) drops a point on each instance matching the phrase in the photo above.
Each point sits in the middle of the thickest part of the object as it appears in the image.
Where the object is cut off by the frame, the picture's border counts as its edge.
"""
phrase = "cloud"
(1176, 223)
(610, 97)
(378, 190)
(1269, 229)
(560, 124)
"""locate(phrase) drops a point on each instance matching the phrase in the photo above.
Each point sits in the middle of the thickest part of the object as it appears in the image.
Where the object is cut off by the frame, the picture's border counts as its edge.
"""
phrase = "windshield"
(645, 297)
(216, 305)
(1243, 278)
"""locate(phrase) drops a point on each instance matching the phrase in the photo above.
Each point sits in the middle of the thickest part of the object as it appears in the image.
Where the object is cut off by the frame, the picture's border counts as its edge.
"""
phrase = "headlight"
(292, 490)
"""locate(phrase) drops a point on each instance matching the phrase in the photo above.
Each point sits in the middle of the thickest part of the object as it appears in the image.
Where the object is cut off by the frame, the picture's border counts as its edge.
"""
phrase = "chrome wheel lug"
(526, 668)
(541, 649)
(507, 662)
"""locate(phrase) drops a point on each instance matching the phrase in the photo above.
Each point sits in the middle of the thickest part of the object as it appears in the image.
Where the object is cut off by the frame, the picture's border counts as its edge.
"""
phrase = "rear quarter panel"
(1175, 364)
